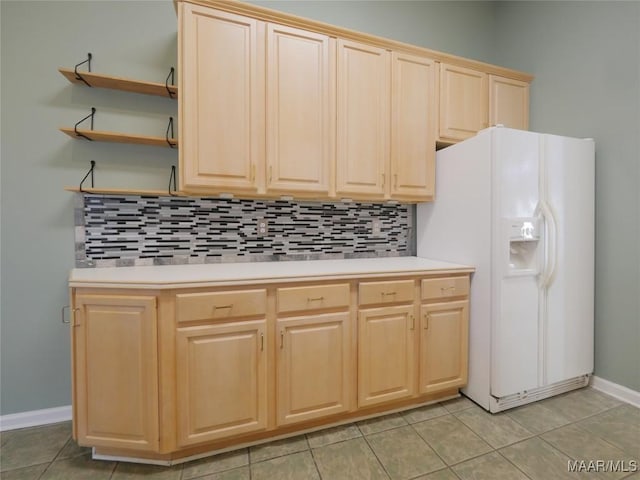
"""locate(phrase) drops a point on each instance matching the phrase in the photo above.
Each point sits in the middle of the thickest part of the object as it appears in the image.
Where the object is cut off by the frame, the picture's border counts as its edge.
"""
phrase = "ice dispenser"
(523, 236)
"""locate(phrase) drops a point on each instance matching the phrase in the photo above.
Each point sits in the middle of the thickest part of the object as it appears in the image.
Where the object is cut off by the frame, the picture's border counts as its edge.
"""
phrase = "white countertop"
(213, 274)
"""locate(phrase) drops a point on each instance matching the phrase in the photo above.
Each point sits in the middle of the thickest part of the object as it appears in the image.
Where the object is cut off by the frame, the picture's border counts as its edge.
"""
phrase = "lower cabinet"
(170, 374)
(313, 367)
(221, 380)
(385, 354)
(115, 371)
(444, 331)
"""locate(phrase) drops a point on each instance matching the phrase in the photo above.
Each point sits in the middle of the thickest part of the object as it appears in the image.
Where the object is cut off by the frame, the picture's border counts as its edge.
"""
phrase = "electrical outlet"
(262, 227)
(376, 226)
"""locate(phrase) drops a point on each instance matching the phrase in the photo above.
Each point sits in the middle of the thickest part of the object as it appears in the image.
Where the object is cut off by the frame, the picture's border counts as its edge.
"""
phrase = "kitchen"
(558, 105)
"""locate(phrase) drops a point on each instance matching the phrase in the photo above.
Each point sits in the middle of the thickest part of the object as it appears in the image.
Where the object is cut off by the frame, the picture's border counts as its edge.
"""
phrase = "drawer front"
(218, 305)
(386, 292)
(438, 288)
(314, 297)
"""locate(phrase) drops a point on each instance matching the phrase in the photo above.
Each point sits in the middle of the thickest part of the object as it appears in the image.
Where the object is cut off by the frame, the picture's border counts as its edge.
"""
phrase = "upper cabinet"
(363, 119)
(221, 95)
(413, 136)
(508, 102)
(300, 110)
(463, 102)
(275, 105)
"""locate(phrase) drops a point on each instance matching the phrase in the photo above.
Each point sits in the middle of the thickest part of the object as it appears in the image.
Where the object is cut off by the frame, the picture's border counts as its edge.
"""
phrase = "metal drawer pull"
(63, 309)
(387, 293)
(215, 307)
(72, 314)
(444, 289)
(413, 322)
(426, 321)
(315, 299)
(262, 342)
(281, 339)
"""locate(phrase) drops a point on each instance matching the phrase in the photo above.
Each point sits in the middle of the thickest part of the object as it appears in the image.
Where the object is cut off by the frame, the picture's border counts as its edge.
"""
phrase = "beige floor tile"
(33, 446)
(241, 473)
(540, 461)
(278, 448)
(491, 466)
(72, 449)
(457, 404)
(27, 473)
(380, 424)
(421, 414)
(537, 418)
(132, 471)
(403, 453)
(446, 474)
(333, 435)
(619, 426)
(79, 468)
(580, 404)
(297, 466)
(498, 430)
(349, 460)
(451, 439)
(633, 476)
(216, 463)
(582, 445)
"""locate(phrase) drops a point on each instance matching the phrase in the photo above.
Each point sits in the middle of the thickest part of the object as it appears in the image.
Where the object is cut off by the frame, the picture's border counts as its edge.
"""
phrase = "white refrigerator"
(519, 206)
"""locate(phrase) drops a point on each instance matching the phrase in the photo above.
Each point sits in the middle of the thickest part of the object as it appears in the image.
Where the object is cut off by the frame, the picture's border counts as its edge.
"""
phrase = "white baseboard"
(35, 418)
(618, 391)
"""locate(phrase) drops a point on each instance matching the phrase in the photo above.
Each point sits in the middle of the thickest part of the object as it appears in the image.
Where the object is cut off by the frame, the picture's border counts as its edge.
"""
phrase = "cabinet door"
(363, 119)
(300, 110)
(463, 102)
(314, 367)
(444, 346)
(385, 354)
(413, 127)
(221, 379)
(221, 100)
(115, 370)
(508, 102)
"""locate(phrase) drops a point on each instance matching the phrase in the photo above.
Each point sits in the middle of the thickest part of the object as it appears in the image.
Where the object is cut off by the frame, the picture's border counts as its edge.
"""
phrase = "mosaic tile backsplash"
(147, 230)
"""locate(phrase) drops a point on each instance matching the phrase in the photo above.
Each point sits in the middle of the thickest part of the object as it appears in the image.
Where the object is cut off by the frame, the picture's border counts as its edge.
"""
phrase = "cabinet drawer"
(217, 305)
(386, 292)
(437, 288)
(313, 297)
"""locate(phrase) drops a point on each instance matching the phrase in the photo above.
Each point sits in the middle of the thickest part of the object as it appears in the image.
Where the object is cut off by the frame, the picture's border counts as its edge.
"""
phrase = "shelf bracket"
(90, 172)
(166, 82)
(166, 136)
(75, 70)
(75, 127)
(172, 181)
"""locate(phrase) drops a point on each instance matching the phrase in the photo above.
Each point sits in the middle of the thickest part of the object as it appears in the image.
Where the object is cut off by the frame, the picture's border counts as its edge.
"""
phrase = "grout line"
(514, 465)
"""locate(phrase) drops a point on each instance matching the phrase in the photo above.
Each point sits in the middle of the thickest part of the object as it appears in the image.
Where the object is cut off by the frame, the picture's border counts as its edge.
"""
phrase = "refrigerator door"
(567, 327)
(514, 342)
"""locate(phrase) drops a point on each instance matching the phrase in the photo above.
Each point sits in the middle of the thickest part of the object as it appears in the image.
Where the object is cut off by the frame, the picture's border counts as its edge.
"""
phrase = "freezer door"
(514, 340)
(569, 166)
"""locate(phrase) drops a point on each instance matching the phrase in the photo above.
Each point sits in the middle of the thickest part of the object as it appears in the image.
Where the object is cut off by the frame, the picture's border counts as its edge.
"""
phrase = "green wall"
(586, 59)
(584, 55)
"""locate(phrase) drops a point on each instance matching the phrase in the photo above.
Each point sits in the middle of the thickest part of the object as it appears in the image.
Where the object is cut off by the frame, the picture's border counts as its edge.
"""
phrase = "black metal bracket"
(167, 137)
(166, 82)
(90, 172)
(172, 181)
(75, 127)
(75, 70)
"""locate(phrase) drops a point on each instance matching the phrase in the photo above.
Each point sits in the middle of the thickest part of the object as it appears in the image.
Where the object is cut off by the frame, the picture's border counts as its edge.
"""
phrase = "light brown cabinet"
(180, 371)
(363, 120)
(413, 120)
(508, 102)
(463, 102)
(221, 374)
(115, 371)
(444, 332)
(221, 105)
(300, 111)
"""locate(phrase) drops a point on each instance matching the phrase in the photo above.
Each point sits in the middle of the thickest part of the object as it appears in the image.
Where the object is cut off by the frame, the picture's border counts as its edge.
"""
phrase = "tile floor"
(447, 441)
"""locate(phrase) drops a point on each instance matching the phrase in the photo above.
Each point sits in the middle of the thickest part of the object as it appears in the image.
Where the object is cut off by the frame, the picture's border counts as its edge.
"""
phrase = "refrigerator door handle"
(551, 238)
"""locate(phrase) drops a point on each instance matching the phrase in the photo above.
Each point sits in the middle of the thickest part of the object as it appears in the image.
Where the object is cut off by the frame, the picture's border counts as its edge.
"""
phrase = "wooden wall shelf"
(118, 83)
(102, 136)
